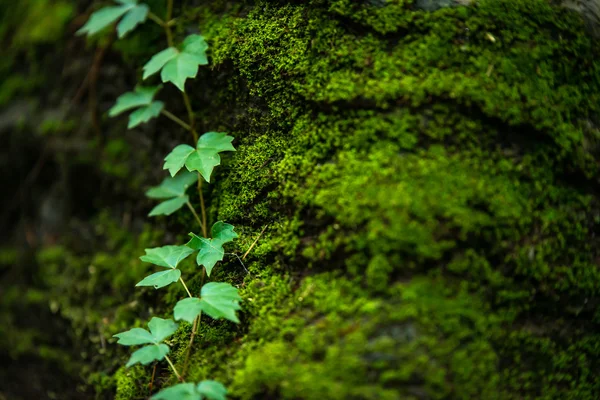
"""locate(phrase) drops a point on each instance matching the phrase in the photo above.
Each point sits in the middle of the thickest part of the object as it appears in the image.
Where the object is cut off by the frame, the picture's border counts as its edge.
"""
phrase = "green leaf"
(134, 337)
(211, 251)
(220, 300)
(178, 65)
(142, 99)
(133, 18)
(161, 328)
(160, 279)
(145, 114)
(169, 207)
(204, 158)
(175, 160)
(182, 391)
(187, 309)
(172, 188)
(147, 354)
(222, 232)
(166, 256)
(103, 18)
(158, 61)
(212, 390)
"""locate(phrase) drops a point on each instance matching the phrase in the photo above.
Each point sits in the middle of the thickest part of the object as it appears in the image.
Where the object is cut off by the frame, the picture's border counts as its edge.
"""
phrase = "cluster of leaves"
(218, 300)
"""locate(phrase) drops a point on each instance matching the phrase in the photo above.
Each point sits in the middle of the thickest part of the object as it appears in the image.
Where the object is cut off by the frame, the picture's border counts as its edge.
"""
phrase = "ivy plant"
(219, 300)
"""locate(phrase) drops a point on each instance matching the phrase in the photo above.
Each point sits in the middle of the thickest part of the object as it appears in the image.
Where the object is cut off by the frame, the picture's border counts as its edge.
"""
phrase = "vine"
(218, 300)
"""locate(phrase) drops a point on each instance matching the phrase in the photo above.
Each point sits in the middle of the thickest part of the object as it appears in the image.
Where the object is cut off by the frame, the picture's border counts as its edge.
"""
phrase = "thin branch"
(202, 207)
(176, 119)
(173, 368)
(167, 26)
(254, 243)
(152, 379)
(194, 330)
(191, 116)
(156, 19)
(186, 288)
(195, 215)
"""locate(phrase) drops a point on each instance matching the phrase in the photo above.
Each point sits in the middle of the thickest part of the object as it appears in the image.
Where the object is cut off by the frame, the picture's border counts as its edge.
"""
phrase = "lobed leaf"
(211, 251)
(161, 328)
(133, 18)
(167, 256)
(134, 337)
(161, 279)
(204, 158)
(176, 65)
(187, 309)
(220, 300)
(211, 390)
(145, 355)
(182, 391)
(169, 207)
(173, 186)
(141, 98)
(133, 14)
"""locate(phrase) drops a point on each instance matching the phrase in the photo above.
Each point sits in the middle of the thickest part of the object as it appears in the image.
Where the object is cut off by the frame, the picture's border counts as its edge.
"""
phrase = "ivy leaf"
(173, 189)
(134, 337)
(177, 65)
(187, 309)
(211, 251)
(204, 158)
(147, 354)
(161, 328)
(212, 390)
(134, 15)
(142, 99)
(133, 18)
(219, 300)
(160, 279)
(182, 391)
(166, 256)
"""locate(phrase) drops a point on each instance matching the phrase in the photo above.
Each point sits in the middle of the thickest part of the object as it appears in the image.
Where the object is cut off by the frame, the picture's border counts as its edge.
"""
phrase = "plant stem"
(156, 19)
(202, 207)
(167, 26)
(191, 116)
(186, 288)
(175, 119)
(152, 379)
(173, 368)
(195, 215)
(194, 330)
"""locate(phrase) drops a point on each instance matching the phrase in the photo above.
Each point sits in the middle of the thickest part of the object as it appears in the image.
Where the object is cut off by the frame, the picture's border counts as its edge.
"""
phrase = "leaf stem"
(152, 379)
(167, 26)
(156, 19)
(175, 119)
(184, 285)
(173, 368)
(191, 116)
(194, 330)
(202, 207)
(195, 215)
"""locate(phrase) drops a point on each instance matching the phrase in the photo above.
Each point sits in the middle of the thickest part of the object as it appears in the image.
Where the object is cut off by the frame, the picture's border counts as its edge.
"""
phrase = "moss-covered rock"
(427, 178)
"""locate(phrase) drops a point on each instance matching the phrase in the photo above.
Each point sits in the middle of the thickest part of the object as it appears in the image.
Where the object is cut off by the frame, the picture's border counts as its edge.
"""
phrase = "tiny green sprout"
(210, 390)
(168, 257)
(133, 14)
(160, 329)
(218, 300)
(173, 190)
(176, 65)
(204, 158)
(211, 251)
(142, 99)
